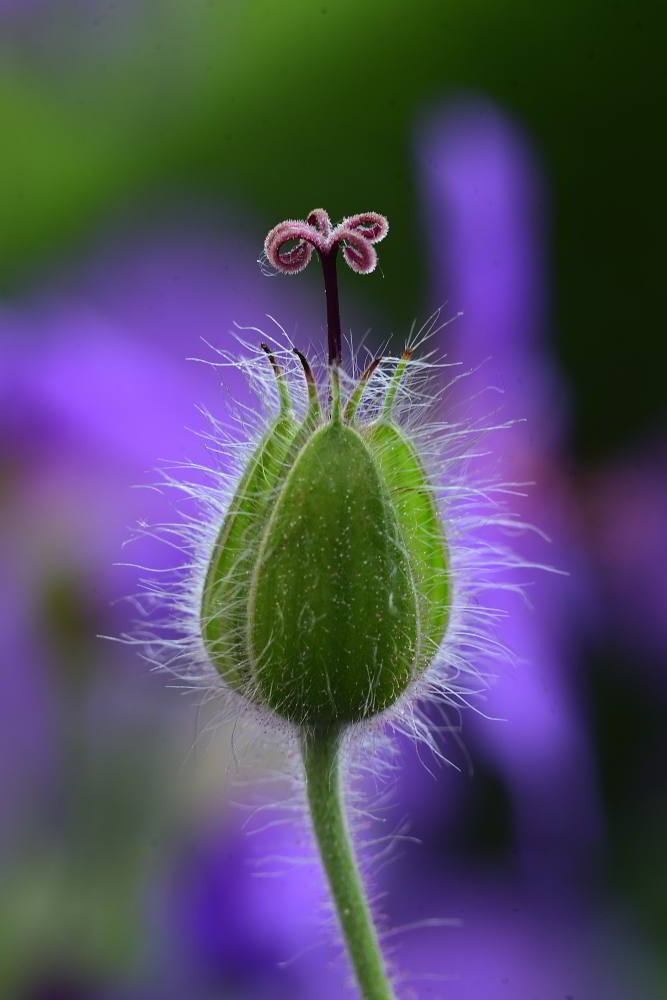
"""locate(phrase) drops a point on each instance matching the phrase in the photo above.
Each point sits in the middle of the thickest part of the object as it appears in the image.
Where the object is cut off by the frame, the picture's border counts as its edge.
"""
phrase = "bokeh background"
(146, 147)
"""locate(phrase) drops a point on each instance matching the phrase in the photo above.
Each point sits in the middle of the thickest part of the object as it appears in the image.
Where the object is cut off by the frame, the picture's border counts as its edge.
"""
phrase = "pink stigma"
(289, 247)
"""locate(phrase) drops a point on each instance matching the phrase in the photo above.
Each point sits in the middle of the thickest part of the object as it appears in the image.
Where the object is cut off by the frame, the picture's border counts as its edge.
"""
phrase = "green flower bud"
(333, 625)
(328, 590)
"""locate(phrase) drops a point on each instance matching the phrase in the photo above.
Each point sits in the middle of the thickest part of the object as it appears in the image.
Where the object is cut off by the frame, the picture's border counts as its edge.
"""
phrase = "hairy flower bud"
(328, 588)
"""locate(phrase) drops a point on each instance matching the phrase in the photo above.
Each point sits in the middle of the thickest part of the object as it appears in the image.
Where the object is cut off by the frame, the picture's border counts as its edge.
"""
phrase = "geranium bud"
(328, 590)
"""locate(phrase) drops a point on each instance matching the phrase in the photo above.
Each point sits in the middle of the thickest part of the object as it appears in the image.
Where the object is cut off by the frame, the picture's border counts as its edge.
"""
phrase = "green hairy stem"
(320, 749)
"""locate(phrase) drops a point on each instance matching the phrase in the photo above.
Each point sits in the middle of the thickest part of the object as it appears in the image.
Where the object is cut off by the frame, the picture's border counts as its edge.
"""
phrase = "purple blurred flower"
(244, 909)
(508, 941)
(486, 220)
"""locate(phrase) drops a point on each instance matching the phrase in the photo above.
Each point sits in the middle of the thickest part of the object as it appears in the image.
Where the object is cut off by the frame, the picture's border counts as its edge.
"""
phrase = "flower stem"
(320, 748)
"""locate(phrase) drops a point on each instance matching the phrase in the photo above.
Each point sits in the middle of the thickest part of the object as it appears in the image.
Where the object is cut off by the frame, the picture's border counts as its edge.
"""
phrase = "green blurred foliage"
(285, 106)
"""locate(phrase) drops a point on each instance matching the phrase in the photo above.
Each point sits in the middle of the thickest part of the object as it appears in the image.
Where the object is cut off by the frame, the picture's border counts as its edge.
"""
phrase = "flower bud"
(328, 591)
(333, 625)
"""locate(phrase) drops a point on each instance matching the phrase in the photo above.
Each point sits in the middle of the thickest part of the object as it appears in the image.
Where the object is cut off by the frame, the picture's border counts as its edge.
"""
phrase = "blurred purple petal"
(485, 217)
(505, 943)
